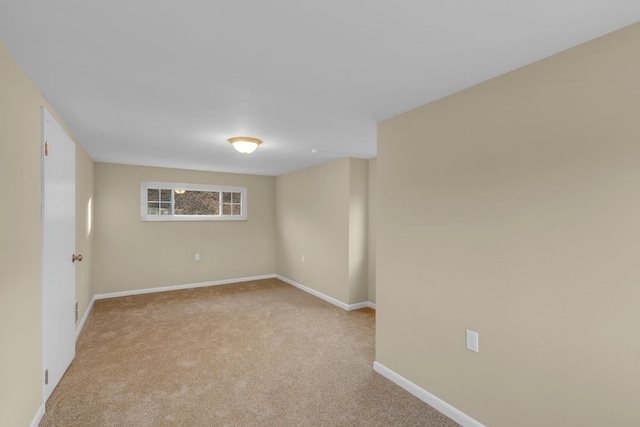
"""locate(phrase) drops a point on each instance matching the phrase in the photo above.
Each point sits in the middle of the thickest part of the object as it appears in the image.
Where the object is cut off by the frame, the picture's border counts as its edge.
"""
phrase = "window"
(167, 201)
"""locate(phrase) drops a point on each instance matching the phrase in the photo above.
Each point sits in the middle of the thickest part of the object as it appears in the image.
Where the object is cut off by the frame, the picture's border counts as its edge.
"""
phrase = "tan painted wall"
(513, 209)
(84, 238)
(312, 211)
(20, 267)
(321, 214)
(131, 254)
(20, 251)
(358, 230)
(371, 247)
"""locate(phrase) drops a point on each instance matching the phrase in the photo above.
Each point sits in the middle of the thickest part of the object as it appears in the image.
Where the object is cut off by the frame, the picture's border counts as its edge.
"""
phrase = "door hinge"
(46, 148)
(46, 377)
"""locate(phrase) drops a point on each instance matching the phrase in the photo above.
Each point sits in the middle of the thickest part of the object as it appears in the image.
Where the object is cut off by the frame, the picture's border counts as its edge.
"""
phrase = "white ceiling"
(166, 82)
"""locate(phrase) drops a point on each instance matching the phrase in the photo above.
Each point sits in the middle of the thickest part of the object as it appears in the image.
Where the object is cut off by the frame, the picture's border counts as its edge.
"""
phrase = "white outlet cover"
(472, 341)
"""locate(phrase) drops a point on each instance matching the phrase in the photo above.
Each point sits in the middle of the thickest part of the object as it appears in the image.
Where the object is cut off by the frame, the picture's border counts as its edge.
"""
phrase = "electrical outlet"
(472, 341)
(197, 257)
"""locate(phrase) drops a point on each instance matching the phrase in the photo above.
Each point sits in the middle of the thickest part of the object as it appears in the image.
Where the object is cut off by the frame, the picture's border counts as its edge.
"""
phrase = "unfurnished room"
(286, 213)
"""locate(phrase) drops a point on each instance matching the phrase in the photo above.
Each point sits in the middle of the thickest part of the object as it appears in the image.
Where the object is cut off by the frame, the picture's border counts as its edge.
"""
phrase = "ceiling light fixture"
(245, 144)
(179, 191)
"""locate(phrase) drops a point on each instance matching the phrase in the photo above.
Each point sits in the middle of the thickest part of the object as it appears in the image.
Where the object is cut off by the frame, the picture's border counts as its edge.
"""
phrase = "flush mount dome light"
(245, 144)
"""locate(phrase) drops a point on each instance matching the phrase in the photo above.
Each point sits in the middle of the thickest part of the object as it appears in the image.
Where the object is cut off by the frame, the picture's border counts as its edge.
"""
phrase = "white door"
(58, 243)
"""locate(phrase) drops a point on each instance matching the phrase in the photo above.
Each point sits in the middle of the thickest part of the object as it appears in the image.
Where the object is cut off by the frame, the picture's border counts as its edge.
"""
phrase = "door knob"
(75, 258)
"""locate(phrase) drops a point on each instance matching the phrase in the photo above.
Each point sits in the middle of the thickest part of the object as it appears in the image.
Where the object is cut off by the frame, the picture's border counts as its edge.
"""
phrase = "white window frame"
(146, 185)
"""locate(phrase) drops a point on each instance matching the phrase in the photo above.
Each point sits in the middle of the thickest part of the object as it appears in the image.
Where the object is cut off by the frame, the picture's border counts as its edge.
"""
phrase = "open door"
(58, 246)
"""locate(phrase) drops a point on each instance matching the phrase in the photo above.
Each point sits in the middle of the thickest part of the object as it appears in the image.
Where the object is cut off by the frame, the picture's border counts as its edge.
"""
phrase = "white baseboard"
(179, 287)
(360, 305)
(327, 298)
(422, 394)
(38, 417)
(84, 318)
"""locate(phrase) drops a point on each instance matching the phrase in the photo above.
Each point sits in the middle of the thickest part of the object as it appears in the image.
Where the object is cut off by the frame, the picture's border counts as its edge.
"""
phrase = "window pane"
(153, 208)
(167, 201)
(197, 203)
(165, 209)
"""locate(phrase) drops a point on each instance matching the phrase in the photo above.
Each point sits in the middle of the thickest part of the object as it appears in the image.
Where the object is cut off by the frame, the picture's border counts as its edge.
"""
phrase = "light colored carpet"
(258, 353)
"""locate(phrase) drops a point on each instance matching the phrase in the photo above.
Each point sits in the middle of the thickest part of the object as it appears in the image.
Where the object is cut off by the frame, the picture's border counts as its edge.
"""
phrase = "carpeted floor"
(258, 353)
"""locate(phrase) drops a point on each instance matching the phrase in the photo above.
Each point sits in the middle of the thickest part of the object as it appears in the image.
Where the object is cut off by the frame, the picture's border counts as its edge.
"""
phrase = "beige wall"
(358, 230)
(20, 266)
(312, 211)
(20, 251)
(319, 215)
(371, 246)
(131, 254)
(513, 209)
(84, 238)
